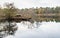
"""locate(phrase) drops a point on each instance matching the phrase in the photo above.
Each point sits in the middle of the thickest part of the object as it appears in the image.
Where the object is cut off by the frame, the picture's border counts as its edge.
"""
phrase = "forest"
(36, 14)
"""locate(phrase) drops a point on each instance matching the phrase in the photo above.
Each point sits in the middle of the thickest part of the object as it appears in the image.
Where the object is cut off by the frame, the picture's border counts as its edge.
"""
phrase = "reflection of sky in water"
(46, 30)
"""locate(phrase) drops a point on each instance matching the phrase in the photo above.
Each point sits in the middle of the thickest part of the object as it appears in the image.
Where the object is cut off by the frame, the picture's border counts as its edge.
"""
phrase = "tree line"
(10, 11)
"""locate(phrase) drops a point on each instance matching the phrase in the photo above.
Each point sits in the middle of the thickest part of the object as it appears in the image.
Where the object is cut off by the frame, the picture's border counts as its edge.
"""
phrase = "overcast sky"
(33, 3)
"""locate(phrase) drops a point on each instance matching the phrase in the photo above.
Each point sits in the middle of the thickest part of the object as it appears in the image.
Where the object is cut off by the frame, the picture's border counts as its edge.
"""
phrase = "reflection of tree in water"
(31, 25)
(11, 29)
(37, 24)
(8, 30)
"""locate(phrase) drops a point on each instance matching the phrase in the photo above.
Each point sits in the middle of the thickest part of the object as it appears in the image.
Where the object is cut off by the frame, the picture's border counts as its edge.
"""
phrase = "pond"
(35, 30)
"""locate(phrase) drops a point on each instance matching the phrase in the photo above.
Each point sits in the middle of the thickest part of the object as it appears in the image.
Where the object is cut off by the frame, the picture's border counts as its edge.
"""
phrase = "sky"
(32, 3)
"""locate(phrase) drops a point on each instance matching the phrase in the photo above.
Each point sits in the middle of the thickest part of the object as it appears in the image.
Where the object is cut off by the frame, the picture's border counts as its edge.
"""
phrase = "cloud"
(33, 3)
(50, 3)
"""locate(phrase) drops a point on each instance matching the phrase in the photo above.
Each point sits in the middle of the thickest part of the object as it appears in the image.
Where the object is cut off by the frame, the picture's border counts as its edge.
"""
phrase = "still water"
(36, 30)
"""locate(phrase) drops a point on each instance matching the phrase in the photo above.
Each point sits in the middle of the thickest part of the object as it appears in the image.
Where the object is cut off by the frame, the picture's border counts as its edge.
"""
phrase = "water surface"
(45, 30)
